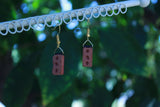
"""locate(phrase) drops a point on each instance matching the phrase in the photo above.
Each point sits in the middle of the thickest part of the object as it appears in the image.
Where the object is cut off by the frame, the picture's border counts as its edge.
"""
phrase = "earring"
(87, 50)
(58, 58)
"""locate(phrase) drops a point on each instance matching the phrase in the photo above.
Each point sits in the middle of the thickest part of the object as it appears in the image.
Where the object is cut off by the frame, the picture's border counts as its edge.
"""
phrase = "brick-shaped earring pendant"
(58, 64)
(87, 56)
(87, 53)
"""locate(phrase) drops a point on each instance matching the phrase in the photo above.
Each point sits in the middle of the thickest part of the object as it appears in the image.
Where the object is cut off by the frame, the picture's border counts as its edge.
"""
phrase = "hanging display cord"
(26, 24)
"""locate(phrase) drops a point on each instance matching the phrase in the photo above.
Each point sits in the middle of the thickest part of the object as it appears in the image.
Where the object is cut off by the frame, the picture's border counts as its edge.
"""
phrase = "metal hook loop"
(87, 41)
(59, 49)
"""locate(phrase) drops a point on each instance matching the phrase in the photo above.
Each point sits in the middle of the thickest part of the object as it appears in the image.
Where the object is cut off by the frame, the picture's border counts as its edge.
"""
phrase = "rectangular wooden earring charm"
(87, 55)
(58, 64)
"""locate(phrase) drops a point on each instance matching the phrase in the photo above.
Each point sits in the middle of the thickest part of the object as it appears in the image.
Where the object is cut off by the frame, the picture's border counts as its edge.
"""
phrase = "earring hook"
(88, 30)
(58, 41)
(88, 35)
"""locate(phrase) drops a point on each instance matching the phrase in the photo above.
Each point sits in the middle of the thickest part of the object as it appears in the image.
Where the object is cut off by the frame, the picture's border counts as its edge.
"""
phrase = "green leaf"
(157, 79)
(105, 1)
(52, 86)
(66, 97)
(19, 83)
(78, 4)
(8, 7)
(157, 8)
(36, 4)
(124, 50)
(101, 98)
(144, 89)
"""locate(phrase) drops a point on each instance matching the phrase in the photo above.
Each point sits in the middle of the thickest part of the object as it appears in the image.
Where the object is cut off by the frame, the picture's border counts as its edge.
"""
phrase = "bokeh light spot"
(41, 37)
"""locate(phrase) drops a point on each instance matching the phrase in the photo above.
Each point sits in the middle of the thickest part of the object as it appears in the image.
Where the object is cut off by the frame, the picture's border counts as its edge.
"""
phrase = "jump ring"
(19, 31)
(78, 16)
(58, 24)
(114, 9)
(70, 18)
(6, 30)
(111, 10)
(98, 11)
(125, 7)
(24, 26)
(91, 12)
(49, 25)
(14, 27)
(103, 15)
(33, 23)
(43, 21)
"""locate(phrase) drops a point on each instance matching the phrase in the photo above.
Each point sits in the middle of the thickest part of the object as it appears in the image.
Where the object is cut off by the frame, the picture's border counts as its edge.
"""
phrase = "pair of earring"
(58, 58)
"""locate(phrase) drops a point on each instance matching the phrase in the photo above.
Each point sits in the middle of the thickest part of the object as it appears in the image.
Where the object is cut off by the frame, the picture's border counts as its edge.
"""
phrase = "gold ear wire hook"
(58, 40)
(88, 36)
(88, 31)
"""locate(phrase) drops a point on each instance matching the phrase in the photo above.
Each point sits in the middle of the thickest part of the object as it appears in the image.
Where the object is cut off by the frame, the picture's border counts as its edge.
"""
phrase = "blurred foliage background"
(126, 60)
